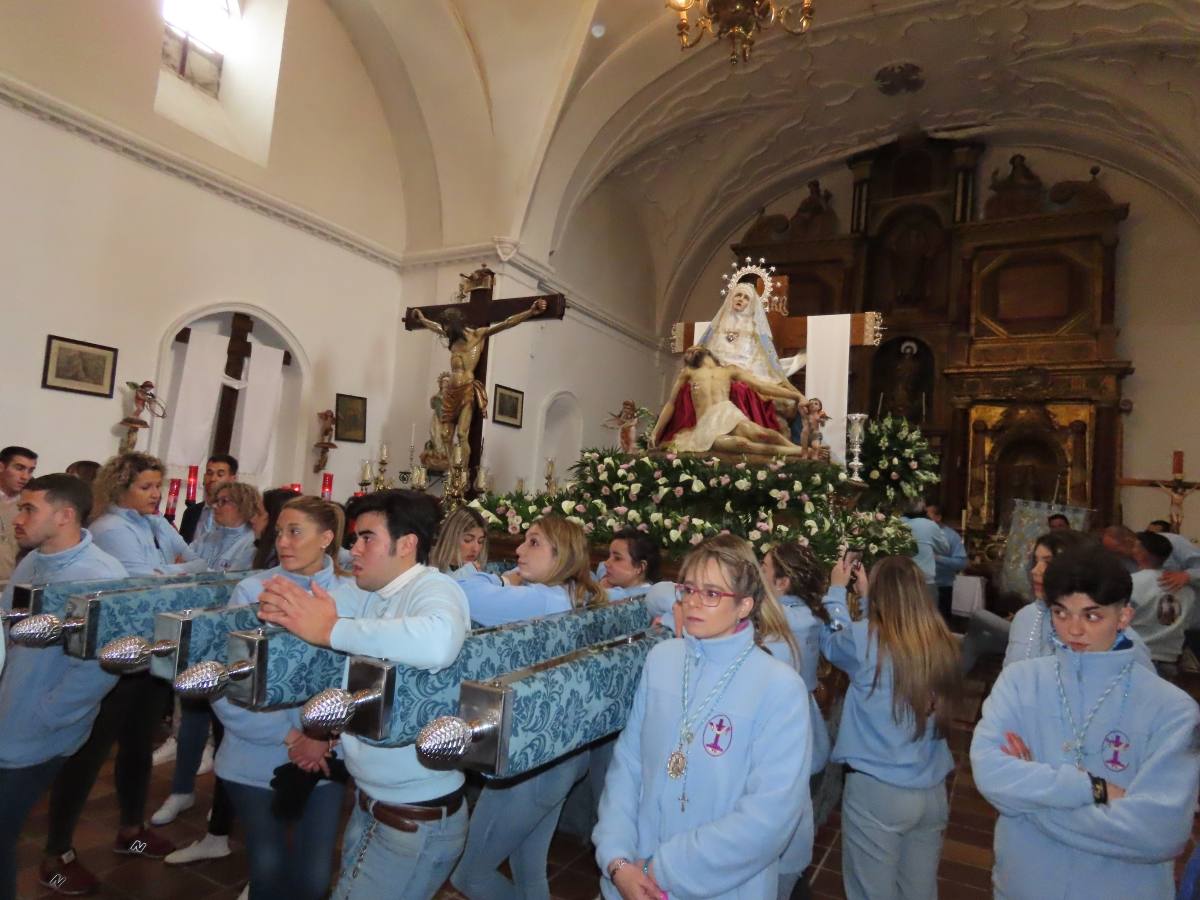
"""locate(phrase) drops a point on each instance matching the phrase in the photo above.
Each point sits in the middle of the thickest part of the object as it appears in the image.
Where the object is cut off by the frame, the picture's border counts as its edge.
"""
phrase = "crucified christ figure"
(463, 391)
(719, 424)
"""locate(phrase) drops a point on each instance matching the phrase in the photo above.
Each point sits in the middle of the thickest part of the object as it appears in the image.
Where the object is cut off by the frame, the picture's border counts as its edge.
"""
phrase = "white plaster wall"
(331, 151)
(99, 248)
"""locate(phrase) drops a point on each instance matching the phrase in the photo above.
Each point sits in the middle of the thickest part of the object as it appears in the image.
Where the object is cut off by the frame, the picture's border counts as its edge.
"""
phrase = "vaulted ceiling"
(507, 117)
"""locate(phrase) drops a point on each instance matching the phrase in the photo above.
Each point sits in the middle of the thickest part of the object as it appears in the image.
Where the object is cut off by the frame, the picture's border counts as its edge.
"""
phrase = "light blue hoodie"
(1052, 840)
(253, 744)
(869, 739)
(226, 549)
(495, 603)
(48, 700)
(806, 628)
(1032, 635)
(931, 543)
(144, 545)
(745, 798)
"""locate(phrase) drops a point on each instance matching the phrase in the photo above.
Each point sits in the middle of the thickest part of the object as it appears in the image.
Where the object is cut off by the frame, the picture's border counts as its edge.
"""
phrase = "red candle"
(295, 486)
(193, 477)
(327, 486)
(1177, 464)
(358, 494)
(173, 497)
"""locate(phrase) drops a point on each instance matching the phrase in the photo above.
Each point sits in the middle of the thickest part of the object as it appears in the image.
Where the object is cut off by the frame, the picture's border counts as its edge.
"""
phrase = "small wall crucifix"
(1174, 487)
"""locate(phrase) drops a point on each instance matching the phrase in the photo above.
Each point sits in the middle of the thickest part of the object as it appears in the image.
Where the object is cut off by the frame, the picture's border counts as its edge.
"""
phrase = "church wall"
(606, 253)
(1158, 267)
(578, 356)
(99, 248)
(330, 149)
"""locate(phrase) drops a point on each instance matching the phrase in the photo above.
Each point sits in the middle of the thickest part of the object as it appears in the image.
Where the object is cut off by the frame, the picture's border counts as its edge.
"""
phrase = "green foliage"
(897, 463)
(681, 500)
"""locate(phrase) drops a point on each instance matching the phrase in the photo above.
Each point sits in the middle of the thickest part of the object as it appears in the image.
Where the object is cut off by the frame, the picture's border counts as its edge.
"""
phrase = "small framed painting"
(79, 367)
(508, 407)
(351, 414)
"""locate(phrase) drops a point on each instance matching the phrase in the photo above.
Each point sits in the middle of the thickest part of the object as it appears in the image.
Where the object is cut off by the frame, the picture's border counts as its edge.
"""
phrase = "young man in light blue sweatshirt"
(1090, 758)
(409, 822)
(48, 700)
(931, 543)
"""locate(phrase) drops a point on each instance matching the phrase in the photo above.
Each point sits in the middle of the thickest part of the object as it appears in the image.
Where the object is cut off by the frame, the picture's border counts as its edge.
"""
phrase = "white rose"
(697, 486)
(754, 535)
(655, 518)
(675, 534)
(742, 484)
(568, 506)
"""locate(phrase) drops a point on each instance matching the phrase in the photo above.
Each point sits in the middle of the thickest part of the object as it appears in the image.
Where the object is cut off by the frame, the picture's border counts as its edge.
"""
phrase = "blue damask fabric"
(296, 669)
(422, 696)
(132, 613)
(210, 633)
(55, 596)
(565, 707)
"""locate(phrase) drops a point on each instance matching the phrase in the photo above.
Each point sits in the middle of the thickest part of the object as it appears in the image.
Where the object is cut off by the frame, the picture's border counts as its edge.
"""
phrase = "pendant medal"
(676, 764)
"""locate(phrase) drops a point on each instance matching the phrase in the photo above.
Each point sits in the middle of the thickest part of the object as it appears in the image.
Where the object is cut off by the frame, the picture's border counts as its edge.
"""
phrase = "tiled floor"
(964, 873)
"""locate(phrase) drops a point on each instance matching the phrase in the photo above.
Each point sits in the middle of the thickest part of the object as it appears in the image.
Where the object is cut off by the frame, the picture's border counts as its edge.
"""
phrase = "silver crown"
(208, 678)
(41, 630)
(132, 653)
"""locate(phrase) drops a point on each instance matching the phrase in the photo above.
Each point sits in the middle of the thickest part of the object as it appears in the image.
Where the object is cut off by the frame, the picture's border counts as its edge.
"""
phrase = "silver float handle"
(207, 679)
(448, 738)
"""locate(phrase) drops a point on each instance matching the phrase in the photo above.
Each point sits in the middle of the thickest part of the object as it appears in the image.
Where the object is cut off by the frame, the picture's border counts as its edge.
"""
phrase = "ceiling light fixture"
(739, 21)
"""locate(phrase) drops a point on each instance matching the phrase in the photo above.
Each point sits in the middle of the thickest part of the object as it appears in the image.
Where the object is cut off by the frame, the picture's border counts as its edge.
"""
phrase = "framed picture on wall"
(508, 406)
(351, 414)
(79, 367)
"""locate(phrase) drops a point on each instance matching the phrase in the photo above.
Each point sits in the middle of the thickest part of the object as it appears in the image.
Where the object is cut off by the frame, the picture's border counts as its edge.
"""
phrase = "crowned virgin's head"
(741, 297)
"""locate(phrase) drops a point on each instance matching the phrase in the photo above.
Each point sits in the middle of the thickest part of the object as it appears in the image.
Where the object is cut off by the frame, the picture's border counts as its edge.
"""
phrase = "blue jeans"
(515, 821)
(283, 869)
(20, 790)
(383, 863)
(891, 839)
(193, 735)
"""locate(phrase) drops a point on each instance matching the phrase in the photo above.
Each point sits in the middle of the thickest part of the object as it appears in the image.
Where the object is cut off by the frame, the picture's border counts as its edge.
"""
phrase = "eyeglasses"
(223, 501)
(707, 596)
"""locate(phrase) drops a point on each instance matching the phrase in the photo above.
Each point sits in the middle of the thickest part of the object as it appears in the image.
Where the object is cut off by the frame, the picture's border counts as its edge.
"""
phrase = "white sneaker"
(211, 846)
(245, 894)
(172, 807)
(206, 760)
(165, 752)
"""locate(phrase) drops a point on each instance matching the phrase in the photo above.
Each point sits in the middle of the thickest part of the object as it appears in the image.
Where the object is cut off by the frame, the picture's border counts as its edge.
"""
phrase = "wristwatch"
(616, 866)
(1099, 790)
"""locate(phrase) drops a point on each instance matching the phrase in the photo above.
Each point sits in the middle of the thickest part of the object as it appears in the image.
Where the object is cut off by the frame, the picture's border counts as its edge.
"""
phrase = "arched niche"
(561, 431)
(289, 432)
(902, 374)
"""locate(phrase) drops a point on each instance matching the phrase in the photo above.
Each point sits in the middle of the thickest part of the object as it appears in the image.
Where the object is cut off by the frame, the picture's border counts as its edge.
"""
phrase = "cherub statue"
(328, 420)
(814, 419)
(144, 400)
(626, 422)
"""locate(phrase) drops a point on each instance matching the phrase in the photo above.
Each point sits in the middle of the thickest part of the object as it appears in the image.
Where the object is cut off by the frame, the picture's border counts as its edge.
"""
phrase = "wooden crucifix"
(1174, 487)
(235, 361)
(466, 328)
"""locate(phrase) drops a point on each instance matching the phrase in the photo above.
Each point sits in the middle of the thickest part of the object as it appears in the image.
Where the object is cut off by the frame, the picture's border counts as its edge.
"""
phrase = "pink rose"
(579, 508)
(620, 510)
(695, 539)
(605, 491)
(643, 527)
(513, 529)
(678, 492)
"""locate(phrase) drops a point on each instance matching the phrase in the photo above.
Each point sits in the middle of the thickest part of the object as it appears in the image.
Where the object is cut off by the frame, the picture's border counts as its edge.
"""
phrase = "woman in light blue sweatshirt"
(127, 491)
(904, 679)
(515, 820)
(228, 546)
(461, 548)
(709, 780)
(798, 578)
(256, 743)
(632, 565)
(1090, 757)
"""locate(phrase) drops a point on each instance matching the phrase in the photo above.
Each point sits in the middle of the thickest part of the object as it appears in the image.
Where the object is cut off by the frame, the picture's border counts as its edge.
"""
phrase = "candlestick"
(383, 453)
(327, 486)
(173, 497)
(1177, 464)
(193, 477)
(368, 475)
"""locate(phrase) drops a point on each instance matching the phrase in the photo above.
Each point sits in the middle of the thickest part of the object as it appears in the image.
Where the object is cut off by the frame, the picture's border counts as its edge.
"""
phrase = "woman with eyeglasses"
(516, 819)
(229, 544)
(709, 780)
(904, 682)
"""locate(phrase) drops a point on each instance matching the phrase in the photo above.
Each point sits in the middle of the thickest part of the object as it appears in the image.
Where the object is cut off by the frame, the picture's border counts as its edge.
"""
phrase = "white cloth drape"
(258, 413)
(828, 376)
(195, 409)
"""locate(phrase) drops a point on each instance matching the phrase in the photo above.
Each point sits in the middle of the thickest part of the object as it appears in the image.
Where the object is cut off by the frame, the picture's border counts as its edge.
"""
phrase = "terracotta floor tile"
(968, 854)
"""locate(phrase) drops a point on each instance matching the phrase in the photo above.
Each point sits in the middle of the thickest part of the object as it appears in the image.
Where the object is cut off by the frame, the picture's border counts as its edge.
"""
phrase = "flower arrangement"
(681, 500)
(897, 461)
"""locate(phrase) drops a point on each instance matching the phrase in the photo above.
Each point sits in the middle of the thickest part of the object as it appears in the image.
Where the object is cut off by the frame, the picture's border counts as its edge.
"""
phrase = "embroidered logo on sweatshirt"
(1115, 743)
(718, 735)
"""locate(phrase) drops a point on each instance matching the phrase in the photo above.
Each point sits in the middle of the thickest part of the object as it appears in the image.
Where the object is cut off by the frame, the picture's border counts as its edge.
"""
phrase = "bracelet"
(1099, 790)
(646, 865)
(616, 866)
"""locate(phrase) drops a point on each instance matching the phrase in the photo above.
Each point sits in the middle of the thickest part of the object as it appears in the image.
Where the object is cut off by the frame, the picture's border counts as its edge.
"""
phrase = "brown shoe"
(147, 842)
(66, 875)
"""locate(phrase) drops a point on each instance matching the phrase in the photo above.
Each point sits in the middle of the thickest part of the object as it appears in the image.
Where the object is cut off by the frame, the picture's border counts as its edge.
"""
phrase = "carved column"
(965, 159)
(954, 462)
(977, 477)
(1104, 467)
(1077, 471)
(860, 200)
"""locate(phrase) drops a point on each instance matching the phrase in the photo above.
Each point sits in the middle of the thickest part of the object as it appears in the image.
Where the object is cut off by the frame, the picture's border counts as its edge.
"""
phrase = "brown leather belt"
(404, 817)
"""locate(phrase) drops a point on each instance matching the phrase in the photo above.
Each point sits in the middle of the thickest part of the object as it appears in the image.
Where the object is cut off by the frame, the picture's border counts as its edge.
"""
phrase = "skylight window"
(196, 37)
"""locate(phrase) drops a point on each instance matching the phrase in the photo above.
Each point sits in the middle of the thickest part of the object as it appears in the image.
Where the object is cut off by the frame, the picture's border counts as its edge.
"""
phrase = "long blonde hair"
(573, 563)
(740, 566)
(926, 668)
(445, 554)
(327, 516)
